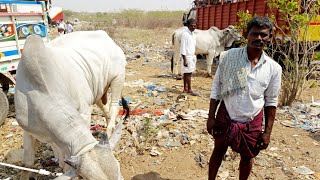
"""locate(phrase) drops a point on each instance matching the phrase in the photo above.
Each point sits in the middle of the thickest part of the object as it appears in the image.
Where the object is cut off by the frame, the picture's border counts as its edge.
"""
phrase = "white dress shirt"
(188, 48)
(263, 87)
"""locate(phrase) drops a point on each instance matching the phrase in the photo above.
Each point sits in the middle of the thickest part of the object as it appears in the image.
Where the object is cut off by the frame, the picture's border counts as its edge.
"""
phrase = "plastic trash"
(158, 101)
(151, 87)
(11, 90)
(224, 174)
(164, 75)
(161, 89)
(128, 100)
(303, 170)
(169, 144)
(143, 111)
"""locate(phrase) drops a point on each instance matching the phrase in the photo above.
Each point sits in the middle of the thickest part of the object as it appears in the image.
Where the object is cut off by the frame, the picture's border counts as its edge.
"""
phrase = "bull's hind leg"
(176, 61)
(104, 105)
(210, 57)
(116, 90)
(29, 147)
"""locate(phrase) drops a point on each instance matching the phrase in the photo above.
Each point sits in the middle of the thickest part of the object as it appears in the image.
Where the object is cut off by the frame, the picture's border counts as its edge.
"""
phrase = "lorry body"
(18, 20)
(224, 13)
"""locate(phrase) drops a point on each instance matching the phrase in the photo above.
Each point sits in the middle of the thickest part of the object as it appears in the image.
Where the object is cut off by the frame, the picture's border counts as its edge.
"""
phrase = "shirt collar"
(188, 30)
(262, 59)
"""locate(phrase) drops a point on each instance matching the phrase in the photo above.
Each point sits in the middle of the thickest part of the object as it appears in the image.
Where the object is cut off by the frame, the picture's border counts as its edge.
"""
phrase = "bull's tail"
(125, 107)
(172, 38)
(172, 63)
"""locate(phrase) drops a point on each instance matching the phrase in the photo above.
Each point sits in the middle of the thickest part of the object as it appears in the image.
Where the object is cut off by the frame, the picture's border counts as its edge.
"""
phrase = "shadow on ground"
(315, 135)
(150, 176)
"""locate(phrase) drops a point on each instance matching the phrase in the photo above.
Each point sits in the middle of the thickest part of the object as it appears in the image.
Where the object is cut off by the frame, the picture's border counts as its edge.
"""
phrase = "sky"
(118, 5)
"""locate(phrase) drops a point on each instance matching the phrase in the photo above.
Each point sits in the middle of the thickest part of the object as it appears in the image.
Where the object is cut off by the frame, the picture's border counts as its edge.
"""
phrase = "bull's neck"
(225, 39)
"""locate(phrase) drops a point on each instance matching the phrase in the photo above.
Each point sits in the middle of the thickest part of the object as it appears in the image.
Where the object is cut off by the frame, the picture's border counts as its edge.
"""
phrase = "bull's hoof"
(179, 77)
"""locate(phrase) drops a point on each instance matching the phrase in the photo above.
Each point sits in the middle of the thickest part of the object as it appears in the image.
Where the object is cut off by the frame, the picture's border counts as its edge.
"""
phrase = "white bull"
(57, 84)
(209, 42)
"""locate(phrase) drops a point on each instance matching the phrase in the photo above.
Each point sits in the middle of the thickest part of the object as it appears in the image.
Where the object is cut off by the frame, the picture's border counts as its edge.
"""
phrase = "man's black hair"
(260, 21)
(190, 21)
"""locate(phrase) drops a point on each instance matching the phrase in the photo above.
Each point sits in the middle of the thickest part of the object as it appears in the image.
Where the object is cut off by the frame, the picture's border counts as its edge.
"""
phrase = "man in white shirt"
(247, 83)
(69, 27)
(188, 61)
(62, 27)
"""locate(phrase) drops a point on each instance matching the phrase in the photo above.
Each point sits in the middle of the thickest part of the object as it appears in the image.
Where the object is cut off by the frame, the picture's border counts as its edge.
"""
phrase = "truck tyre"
(4, 107)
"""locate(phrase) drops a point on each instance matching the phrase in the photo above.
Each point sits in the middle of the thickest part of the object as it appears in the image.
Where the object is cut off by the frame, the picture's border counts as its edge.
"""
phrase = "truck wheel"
(4, 107)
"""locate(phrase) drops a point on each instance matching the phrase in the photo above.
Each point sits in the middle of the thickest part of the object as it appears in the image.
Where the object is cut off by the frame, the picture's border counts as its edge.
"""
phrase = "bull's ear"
(226, 31)
(116, 135)
(230, 27)
(73, 161)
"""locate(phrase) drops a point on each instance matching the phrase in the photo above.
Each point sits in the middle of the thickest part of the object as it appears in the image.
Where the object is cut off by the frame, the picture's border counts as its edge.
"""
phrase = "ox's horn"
(116, 135)
(104, 139)
(73, 161)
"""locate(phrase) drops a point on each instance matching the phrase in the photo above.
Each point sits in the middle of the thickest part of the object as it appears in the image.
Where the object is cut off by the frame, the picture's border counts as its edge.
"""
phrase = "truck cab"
(18, 20)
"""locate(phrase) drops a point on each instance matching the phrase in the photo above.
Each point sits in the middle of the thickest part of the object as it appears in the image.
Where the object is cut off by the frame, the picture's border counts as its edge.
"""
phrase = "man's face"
(258, 37)
(192, 26)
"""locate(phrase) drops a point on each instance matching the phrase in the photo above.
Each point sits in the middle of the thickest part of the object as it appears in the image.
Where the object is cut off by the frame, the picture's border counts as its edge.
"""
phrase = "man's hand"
(185, 63)
(210, 125)
(263, 141)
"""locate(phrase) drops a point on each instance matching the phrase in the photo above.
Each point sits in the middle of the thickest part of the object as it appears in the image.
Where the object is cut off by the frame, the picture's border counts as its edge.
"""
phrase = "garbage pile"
(304, 116)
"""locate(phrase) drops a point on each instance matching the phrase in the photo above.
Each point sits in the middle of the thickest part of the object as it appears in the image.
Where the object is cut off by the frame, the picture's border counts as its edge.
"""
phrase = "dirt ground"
(154, 147)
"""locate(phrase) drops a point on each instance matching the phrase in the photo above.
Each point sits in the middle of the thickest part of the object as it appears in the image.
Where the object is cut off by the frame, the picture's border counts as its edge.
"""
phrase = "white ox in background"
(209, 42)
(57, 84)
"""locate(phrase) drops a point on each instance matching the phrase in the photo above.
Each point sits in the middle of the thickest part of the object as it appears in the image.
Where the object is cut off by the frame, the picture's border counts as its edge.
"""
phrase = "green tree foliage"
(297, 47)
(292, 42)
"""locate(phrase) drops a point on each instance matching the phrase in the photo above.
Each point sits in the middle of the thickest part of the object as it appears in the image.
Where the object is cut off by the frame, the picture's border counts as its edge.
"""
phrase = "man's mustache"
(259, 43)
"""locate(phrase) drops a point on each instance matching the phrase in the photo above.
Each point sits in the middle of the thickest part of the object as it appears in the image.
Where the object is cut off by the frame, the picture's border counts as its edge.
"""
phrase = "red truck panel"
(225, 14)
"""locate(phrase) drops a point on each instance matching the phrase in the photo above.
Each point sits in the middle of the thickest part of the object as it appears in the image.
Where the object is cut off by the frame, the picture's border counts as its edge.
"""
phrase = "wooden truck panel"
(18, 20)
(225, 14)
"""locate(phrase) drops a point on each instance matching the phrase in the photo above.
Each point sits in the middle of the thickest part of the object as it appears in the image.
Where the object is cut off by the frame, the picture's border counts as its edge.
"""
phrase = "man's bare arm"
(212, 112)
(270, 115)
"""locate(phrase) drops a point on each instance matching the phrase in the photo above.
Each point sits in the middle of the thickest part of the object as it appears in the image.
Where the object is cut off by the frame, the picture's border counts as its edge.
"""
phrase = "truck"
(222, 13)
(18, 20)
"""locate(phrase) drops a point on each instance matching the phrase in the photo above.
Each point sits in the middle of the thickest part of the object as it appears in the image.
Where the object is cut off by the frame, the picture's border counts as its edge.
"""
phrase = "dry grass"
(130, 18)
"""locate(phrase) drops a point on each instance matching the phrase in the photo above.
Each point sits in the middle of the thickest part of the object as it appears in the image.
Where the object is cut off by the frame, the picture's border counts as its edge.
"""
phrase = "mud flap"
(4, 107)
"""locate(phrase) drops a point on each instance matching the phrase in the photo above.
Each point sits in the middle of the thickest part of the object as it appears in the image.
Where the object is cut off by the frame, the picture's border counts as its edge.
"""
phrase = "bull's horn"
(116, 135)
(104, 139)
(73, 161)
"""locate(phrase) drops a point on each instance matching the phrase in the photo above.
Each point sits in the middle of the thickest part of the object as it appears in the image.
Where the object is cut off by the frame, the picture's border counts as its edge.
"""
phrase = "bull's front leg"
(28, 154)
(116, 91)
(104, 105)
(58, 154)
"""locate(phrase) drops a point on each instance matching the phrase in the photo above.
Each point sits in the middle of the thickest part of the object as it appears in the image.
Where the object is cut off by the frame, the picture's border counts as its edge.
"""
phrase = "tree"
(297, 47)
(294, 44)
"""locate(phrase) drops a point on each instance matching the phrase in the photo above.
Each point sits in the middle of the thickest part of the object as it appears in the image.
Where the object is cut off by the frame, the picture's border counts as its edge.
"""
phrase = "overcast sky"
(117, 5)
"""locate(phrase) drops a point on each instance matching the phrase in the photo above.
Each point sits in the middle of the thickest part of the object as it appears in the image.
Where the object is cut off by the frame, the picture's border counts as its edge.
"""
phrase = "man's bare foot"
(192, 93)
